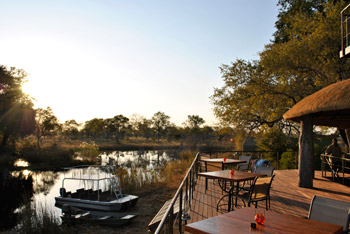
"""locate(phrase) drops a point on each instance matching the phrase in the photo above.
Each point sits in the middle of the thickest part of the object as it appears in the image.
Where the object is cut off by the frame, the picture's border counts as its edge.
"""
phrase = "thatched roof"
(329, 106)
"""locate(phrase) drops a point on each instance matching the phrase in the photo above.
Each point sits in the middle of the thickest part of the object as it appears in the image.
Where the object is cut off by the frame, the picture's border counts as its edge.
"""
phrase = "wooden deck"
(286, 196)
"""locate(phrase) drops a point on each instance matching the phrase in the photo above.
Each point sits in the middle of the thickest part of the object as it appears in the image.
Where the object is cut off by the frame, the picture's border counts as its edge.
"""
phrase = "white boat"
(101, 190)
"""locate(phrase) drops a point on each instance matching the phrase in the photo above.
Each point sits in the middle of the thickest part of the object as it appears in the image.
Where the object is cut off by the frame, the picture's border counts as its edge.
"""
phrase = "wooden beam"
(306, 149)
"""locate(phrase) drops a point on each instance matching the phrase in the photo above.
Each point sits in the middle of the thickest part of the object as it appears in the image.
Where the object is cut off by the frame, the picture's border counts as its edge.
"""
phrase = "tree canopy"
(302, 59)
(16, 112)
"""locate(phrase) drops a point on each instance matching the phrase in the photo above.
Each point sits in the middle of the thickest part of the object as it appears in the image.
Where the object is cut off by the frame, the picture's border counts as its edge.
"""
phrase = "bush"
(287, 160)
(51, 157)
(88, 151)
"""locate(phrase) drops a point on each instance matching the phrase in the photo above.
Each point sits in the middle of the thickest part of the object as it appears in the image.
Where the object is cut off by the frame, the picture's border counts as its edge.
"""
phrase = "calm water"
(46, 184)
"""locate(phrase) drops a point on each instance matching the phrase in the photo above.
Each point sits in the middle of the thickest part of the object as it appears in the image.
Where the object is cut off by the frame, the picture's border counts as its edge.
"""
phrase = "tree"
(70, 128)
(46, 123)
(250, 98)
(140, 125)
(303, 58)
(160, 122)
(16, 108)
(193, 122)
(118, 125)
(288, 10)
(94, 127)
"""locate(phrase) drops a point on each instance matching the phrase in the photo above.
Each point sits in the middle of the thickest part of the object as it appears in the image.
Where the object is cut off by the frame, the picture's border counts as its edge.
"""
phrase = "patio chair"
(330, 211)
(259, 191)
(244, 166)
(268, 171)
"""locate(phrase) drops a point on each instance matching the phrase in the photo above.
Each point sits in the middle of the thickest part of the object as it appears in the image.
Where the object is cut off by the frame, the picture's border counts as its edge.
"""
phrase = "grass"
(171, 175)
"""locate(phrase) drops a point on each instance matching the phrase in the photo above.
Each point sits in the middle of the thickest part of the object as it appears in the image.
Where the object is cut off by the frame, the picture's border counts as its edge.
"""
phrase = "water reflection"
(15, 191)
(138, 159)
(21, 163)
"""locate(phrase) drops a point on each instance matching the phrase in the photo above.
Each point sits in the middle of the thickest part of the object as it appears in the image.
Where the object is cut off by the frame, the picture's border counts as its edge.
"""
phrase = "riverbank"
(56, 153)
(149, 203)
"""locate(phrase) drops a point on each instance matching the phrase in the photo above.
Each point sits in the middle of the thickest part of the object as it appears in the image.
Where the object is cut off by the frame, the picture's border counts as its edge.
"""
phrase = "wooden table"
(218, 164)
(238, 221)
(221, 160)
(239, 176)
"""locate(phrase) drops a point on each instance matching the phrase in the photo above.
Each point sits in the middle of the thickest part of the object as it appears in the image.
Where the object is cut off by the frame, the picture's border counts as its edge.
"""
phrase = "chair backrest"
(244, 166)
(261, 187)
(252, 164)
(268, 171)
(213, 166)
(330, 211)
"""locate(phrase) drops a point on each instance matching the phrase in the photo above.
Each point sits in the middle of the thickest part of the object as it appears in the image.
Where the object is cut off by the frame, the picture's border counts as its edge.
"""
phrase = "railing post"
(190, 189)
(180, 212)
(342, 34)
(342, 168)
(346, 33)
(171, 220)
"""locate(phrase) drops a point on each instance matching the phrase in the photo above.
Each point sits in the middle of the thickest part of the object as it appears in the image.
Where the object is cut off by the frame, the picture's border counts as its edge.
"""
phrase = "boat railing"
(94, 174)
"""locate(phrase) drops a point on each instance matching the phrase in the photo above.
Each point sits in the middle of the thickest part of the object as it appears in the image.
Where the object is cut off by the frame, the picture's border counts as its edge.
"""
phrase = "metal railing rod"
(172, 203)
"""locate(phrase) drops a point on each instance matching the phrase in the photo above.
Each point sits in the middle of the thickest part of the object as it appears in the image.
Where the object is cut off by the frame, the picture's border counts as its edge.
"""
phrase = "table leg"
(229, 199)
(237, 190)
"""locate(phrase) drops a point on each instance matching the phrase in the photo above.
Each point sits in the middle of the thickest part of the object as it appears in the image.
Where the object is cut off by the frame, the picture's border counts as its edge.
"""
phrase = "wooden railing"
(186, 188)
(336, 171)
(345, 32)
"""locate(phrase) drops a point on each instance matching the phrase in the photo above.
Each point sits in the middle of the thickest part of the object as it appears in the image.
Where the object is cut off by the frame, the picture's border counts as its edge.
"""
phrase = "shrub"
(51, 157)
(88, 151)
(287, 160)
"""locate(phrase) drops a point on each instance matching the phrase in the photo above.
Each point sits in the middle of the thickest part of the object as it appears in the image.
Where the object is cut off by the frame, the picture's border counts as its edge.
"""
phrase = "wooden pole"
(306, 152)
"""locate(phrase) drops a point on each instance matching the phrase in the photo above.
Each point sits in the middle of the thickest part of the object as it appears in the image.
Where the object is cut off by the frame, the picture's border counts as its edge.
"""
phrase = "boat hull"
(103, 218)
(127, 201)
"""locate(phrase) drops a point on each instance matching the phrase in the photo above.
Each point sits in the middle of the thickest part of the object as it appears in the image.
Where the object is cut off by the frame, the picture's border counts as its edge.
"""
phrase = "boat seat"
(80, 190)
(105, 217)
(97, 191)
(89, 191)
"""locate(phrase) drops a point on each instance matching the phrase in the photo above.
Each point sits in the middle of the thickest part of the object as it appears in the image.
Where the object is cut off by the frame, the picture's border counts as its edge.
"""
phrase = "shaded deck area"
(286, 196)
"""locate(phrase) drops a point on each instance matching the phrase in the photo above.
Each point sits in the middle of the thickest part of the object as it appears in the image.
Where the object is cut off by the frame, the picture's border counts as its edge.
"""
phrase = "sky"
(100, 58)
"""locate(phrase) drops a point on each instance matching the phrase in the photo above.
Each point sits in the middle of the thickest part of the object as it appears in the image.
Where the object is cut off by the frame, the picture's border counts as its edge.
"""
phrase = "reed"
(39, 219)
(137, 179)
